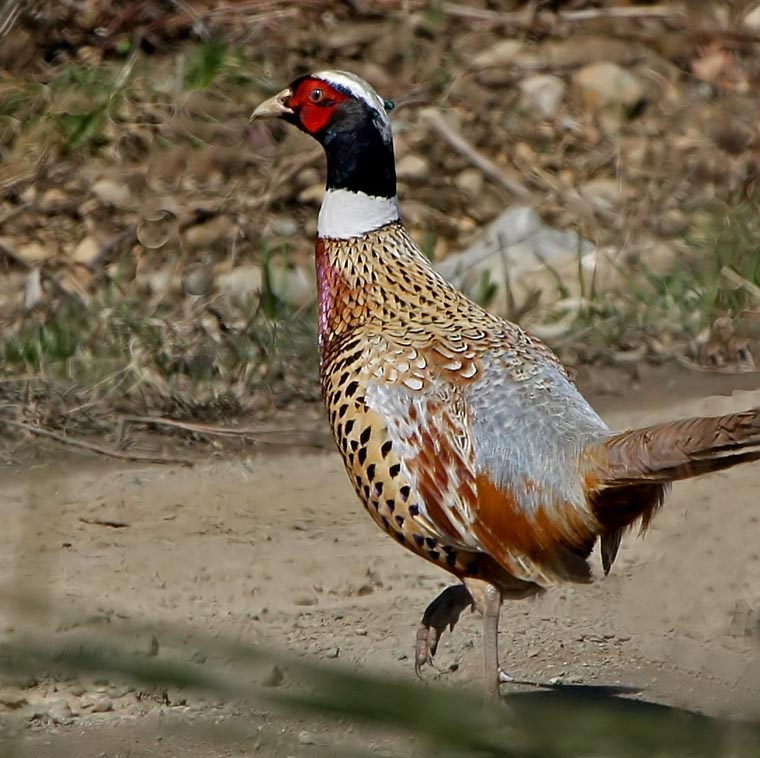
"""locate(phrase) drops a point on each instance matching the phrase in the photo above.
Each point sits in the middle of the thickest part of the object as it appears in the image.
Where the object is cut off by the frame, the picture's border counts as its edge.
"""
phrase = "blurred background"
(589, 169)
(154, 245)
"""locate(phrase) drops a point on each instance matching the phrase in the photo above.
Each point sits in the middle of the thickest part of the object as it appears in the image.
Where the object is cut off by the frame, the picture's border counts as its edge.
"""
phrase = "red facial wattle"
(315, 116)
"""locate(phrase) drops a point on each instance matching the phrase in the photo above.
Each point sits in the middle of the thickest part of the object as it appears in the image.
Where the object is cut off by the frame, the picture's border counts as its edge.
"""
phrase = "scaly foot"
(443, 612)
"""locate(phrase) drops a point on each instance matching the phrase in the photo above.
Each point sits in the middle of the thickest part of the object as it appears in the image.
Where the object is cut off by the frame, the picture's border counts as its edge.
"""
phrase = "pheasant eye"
(317, 95)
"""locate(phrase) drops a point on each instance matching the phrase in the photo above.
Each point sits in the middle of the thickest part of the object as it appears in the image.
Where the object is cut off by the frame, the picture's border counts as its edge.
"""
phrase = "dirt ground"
(274, 549)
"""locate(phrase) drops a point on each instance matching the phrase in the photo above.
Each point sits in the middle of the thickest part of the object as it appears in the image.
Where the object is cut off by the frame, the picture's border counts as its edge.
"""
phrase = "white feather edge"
(345, 214)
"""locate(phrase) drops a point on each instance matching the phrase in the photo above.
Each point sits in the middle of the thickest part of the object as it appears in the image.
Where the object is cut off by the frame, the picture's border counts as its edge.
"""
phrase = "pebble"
(101, 705)
(33, 292)
(205, 236)
(197, 279)
(31, 253)
(752, 19)
(333, 653)
(287, 227)
(601, 194)
(542, 93)
(413, 168)
(241, 284)
(293, 285)
(86, 251)
(312, 195)
(307, 178)
(470, 182)
(502, 53)
(112, 193)
(605, 83)
(305, 738)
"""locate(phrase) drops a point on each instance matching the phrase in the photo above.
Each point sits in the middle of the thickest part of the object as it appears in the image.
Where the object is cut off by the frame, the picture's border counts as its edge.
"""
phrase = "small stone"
(542, 93)
(197, 279)
(31, 253)
(606, 83)
(502, 53)
(413, 168)
(312, 195)
(333, 653)
(470, 182)
(241, 284)
(293, 285)
(305, 738)
(752, 19)
(307, 178)
(33, 292)
(305, 601)
(112, 193)
(86, 251)
(102, 705)
(365, 589)
(53, 200)
(287, 227)
(601, 194)
(205, 236)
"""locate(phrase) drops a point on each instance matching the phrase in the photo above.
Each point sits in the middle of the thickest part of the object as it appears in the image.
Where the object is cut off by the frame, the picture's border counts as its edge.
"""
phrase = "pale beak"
(274, 107)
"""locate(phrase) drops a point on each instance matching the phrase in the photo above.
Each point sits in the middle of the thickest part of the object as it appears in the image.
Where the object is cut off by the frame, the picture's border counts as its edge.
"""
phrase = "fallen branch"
(93, 448)
(217, 431)
(523, 18)
(740, 282)
(433, 118)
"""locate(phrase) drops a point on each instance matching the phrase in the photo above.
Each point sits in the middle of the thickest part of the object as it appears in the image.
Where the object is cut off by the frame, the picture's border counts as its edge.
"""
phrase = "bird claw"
(443, 612)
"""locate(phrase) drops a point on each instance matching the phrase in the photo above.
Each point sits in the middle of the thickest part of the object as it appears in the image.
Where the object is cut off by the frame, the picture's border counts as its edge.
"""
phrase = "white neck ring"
(345, 214)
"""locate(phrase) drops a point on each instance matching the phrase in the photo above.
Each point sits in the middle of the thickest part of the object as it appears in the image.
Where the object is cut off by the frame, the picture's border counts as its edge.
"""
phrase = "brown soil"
(274, 549)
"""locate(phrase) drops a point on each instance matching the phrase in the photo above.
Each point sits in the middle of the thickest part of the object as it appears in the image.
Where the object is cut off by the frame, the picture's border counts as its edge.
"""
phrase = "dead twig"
(91, 447)
(523, 19)
(433, 118)
(104, 522)
(739, 281)
(217, 431)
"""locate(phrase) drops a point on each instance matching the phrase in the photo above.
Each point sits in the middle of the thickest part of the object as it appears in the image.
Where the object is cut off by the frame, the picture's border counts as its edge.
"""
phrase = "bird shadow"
(580, 691)
(602, 715)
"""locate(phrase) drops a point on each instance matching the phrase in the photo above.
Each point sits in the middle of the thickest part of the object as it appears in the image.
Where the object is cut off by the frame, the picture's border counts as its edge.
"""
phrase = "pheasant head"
(350, 120)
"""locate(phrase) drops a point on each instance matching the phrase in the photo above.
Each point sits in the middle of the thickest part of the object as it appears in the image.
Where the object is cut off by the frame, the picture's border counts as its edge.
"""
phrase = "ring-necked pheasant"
(462, 434)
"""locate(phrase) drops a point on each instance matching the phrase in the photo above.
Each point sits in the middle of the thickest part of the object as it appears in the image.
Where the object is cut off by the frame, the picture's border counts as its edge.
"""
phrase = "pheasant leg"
(443, 612)
(488, 601)
(492, 668)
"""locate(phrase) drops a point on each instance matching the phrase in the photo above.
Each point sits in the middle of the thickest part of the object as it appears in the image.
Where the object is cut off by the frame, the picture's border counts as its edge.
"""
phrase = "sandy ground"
(274, 549)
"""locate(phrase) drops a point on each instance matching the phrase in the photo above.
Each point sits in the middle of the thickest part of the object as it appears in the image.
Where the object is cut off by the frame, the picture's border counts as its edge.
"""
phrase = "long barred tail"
(682, 449)
(634, 468)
